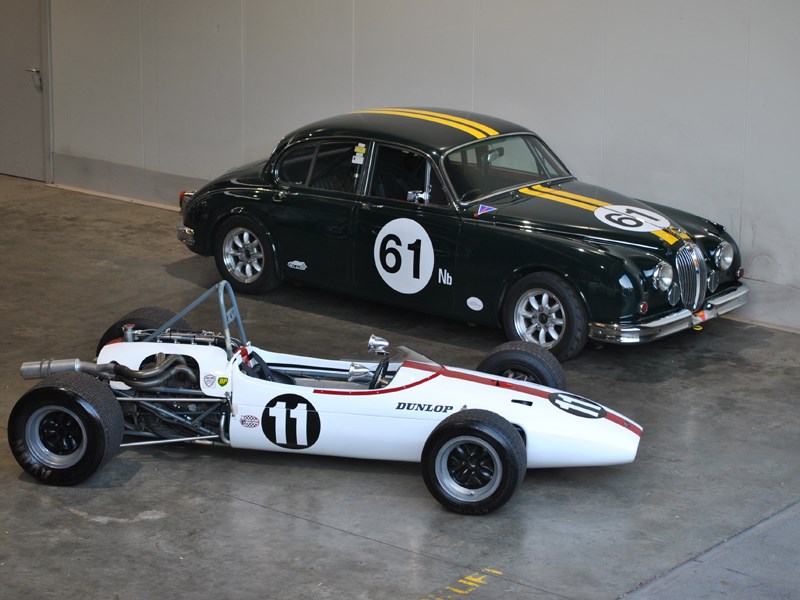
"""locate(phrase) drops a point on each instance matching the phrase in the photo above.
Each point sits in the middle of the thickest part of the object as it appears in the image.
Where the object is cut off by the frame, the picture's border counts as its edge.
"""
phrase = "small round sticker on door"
(403, 255)
(632, 218)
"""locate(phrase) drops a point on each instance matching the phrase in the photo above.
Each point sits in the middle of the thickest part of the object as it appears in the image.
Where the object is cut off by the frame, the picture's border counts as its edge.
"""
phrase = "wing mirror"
(358, 372)
(378, 345)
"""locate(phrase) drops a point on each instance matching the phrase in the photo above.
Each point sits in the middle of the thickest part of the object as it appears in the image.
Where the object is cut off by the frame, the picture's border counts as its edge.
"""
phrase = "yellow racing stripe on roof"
(479, 126)
(473, 131)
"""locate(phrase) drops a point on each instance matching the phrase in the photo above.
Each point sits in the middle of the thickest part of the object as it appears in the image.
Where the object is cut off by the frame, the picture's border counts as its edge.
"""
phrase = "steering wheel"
(380, 371)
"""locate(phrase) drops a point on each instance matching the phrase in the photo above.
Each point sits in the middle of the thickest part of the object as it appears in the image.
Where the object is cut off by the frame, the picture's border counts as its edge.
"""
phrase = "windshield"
(501, 163)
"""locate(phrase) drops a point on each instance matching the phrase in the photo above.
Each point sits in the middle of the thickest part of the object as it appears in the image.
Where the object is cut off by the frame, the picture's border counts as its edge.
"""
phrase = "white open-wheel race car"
(158, 380)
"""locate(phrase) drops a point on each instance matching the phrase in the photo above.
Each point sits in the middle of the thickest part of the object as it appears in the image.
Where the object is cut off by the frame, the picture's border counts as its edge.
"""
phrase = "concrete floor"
(718, 460)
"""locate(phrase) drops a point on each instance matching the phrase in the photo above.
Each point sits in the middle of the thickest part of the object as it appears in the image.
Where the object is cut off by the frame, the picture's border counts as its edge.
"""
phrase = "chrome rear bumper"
(620, 333)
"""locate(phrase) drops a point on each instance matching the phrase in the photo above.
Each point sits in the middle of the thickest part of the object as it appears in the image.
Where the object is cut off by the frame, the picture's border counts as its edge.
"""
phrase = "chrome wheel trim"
(55, 437)
(539, 317)
(468, 468)
(243, 255)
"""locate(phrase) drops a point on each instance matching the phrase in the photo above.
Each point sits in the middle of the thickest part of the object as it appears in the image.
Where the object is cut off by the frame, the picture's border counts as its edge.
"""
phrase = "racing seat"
(260, 370)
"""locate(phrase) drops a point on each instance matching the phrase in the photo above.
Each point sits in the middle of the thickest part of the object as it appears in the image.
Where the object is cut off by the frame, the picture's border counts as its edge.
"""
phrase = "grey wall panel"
(298, 67)
(96, 73)
(413, 52)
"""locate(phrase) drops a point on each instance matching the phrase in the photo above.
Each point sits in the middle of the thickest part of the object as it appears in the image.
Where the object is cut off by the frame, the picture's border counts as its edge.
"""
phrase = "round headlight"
(723, 256)
(662, 276)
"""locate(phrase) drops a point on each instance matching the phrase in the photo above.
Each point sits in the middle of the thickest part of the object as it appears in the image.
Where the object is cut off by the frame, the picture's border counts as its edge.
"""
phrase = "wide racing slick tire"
(146, 317)
(473, 462)
(65, 428)
(244, 256)
(525, 361)
(546, 309)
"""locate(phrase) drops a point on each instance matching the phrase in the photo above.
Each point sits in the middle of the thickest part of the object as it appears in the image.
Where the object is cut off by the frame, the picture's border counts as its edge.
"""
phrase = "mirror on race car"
(358, 372)
(378, 345)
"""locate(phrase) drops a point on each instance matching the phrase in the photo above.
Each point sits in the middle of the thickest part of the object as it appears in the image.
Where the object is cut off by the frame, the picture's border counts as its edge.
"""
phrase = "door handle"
(35, 71)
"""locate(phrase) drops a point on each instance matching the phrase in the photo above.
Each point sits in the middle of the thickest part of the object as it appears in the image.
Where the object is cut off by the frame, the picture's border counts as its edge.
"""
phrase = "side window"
(407, 176)
(337, 166)
(296, 164)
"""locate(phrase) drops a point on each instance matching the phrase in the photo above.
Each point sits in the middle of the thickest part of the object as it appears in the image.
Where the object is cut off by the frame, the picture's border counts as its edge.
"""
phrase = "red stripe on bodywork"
(623, 422)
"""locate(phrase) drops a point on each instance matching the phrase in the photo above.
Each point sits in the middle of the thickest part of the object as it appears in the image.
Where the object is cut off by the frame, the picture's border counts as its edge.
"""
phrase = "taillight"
(184, 197)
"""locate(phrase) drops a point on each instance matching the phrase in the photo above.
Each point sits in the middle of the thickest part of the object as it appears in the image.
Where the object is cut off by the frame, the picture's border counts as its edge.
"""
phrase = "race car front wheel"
(65, 428)
(525, 361)
(473, 462)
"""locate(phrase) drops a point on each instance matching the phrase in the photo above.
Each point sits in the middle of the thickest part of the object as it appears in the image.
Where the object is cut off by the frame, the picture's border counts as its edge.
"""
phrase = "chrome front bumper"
(620, 333)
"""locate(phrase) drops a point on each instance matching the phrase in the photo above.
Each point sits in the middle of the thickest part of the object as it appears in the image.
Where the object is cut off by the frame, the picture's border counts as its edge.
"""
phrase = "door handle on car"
(370, 206)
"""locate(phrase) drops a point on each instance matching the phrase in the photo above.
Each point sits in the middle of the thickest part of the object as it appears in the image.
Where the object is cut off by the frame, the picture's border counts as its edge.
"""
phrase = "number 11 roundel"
(291, 421)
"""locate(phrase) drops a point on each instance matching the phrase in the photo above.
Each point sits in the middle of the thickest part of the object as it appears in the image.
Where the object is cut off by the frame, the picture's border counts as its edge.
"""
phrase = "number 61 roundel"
(291, 421)
(403, 255)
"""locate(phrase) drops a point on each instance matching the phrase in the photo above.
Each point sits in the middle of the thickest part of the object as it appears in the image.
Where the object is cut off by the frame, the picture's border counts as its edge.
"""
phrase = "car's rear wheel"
(525, 361)
(473, 462)
(65, 428)
(545, 309)
(244, 256)
(146, 317)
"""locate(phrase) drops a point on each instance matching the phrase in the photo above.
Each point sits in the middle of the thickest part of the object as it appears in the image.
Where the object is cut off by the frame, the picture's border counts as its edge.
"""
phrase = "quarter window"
(332, 166)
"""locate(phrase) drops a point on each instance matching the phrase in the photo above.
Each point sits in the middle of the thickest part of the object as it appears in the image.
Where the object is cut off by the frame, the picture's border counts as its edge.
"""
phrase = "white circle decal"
(403, 255)
(632, 218)
(475, 303)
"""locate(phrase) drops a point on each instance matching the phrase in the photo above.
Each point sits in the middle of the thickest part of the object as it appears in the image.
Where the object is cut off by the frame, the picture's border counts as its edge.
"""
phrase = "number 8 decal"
(403, 256)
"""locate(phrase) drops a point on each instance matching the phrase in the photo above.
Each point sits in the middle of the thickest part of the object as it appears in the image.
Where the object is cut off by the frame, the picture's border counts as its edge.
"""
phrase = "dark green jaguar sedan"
(466, 216)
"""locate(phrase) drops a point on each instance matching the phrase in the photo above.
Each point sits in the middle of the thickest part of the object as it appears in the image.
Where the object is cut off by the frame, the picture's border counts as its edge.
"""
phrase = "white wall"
(687, 102)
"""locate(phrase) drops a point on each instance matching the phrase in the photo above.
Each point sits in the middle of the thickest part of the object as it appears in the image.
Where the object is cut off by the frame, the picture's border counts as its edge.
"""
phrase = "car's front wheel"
(244, 256)
(65, 428)
(545, 309)
(473, 462)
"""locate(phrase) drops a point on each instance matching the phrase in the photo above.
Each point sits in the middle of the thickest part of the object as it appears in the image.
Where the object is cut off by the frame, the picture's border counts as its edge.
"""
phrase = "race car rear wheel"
(525, 361)
(473, 462)
(545, 309)
(146, 317)
(244, 256)
(65, 428)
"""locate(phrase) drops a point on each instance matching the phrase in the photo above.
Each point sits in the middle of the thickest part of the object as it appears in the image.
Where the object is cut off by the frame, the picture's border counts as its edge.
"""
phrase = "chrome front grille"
(692, 275)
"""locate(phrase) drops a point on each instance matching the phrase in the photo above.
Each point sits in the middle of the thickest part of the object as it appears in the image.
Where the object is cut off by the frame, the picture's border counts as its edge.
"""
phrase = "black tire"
(65, 428)
(146, 317)
(473, 462)
(545, 309)
(244, 256)
(525, 361)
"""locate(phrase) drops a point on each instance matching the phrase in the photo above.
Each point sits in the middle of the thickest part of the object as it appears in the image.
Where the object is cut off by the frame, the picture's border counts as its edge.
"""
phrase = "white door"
(23, 84)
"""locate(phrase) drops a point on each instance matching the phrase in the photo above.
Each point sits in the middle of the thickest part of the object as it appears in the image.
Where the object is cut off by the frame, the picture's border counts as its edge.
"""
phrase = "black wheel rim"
(468, 468)
(55, 437)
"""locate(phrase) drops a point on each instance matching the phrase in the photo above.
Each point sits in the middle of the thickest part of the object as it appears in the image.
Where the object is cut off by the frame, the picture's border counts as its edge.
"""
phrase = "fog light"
(713, 281)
